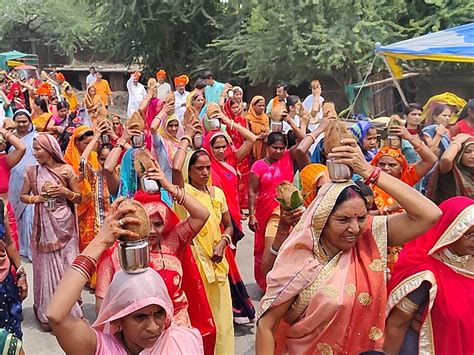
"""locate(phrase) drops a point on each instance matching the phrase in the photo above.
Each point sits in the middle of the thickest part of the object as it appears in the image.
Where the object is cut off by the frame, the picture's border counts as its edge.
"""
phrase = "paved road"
(38, 342)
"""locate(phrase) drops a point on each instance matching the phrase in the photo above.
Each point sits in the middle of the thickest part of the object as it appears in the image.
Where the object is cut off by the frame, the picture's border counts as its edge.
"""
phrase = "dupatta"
(258, 124)
(359, 130)
(331, 298)
(447, 320)
(170, 143)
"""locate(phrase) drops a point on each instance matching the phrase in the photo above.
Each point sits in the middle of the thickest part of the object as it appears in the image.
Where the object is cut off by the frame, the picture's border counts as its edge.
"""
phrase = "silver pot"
(134, 256)
(276, 126)
(197, 141)
(338, 172)
(138, 141)
(394, 141)
(149, 186)
(50, 204)
(105, 138)
(214, 123)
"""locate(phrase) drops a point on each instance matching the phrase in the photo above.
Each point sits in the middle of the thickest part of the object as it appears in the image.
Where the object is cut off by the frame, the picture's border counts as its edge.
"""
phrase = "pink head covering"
(51, 145)
(130, 292)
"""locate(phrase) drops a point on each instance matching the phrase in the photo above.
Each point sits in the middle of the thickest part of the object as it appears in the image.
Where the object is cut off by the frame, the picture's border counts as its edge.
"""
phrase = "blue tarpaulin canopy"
(23, 58)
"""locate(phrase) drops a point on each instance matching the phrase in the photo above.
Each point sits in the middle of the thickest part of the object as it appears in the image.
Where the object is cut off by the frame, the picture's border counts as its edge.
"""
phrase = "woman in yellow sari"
(259, 124)
(93, 105)
(81, 137)
(41, 115)
(192, 172)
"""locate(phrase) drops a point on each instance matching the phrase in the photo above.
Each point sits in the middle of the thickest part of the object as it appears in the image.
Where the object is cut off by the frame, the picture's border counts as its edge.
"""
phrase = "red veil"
(447, 321)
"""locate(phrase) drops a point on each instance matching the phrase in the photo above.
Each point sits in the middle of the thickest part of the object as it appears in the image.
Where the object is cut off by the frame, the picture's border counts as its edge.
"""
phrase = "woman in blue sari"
(437, 135)
(23, 212)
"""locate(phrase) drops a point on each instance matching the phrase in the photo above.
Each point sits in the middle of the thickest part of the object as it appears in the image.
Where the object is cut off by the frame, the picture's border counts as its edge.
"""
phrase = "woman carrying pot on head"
(170, 256)
(191, 171)
(367, 138)
(52, 187)
(136, 315)
(454, 175)
(431, 291)
(266, 174)
(330, 273)
(25, 130)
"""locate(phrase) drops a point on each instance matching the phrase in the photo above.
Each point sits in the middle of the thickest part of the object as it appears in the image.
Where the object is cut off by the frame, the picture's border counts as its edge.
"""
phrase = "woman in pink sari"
(326, 292)
(55, 237)
(136, 316)
(431, 299)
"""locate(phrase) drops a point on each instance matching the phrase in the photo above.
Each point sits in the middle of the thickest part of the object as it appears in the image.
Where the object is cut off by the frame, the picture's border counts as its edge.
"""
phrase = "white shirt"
(136, 93)
(90, 79)
(163, 91)
(308, 104)
(180, 103)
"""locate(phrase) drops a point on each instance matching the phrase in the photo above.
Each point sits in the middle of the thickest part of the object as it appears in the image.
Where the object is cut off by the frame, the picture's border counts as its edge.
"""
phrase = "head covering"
(359, 130)
(393, 153)
(170, 143)
(258, 124)
(11, 95)
(60, 77)
(22, 111)
(181, 80)
(161, 74)
(238, 88)
(252, 116)
(310, 176)
(51, 145)
(455, 102)
(44, 89)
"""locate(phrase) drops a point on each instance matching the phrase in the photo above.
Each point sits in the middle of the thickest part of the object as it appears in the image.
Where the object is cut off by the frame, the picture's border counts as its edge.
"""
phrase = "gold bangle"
(408, 306)
(73, 196)
(227, 238)
(30, 198)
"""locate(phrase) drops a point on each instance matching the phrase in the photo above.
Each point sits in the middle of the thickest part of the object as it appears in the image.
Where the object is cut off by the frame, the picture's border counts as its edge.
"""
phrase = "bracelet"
(310, 135)
(85, 265)
(119, 145)
(273, 251)
(73, 196)
(373, 176)
(227, 238)
(188, 138)
(30, 202)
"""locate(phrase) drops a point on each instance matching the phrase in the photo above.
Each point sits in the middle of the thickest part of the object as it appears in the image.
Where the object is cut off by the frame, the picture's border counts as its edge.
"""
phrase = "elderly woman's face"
(142, 328)
(41, 155)
(345, 224)
(467, 158)
(390, 166)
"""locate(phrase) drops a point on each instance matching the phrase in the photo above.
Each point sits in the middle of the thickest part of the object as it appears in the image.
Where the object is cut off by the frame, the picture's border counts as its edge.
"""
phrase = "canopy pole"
(395, 81)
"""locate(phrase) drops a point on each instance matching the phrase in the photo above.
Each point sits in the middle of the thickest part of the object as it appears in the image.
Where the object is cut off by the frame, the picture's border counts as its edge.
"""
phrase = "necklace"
(326, 254)
(453, 258)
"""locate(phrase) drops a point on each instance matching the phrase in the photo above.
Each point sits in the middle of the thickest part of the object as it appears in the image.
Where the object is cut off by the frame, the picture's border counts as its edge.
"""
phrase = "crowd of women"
(363, 237)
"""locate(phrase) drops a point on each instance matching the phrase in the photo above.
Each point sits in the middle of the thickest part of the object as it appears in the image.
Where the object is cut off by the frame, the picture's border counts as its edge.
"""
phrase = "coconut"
(151, 83)
(143, 161)
(335, 132)
(143, 229)
(136, 122)
(329, 110)
(190, 116)
(212, 109)
(289, 196)
(9, 124)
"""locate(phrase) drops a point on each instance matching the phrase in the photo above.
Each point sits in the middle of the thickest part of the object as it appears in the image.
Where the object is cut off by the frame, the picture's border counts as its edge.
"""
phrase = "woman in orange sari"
(259, 124)
(325, 292)
(81, 137)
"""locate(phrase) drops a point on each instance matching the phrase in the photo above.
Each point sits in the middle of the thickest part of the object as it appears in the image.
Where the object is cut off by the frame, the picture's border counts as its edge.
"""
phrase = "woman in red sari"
(16, 97)
(233, 110)
(171, 257)
(431, 300)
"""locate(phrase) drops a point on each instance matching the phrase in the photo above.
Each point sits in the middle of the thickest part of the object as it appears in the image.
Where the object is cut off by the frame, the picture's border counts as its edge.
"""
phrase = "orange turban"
(181, 80)
(44, 89)
(161, 74)
(60, 77)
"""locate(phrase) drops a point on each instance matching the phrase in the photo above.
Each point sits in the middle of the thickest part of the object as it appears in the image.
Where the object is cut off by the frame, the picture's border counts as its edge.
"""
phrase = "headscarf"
(170, 143)
(416, 264)
(359, 130)
(309, 176)
(21, 96)
(130, 292)
(393, 153)
(51, 145)
(258, 124)
(44, 89)
(128, 176)
(73, 157)
(447, 98)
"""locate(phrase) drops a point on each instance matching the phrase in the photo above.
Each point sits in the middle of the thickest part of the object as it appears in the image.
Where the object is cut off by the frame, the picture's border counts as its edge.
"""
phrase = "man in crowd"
(163, 88)
(136, 93)
(91, 77)
(279, 99)
(180, 95)
(103, 90)
(214, 89)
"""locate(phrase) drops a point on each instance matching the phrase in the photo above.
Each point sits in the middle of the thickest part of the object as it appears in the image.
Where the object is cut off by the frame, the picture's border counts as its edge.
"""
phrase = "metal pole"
(395, 81)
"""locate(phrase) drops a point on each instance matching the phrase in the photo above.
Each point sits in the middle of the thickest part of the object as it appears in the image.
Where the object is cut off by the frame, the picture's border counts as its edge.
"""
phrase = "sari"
(266, 205)
(154, 107)
(91, 101)
(446, 318)
(130, 292)
(243, 166)
(41, 122)
(54, 240)
(258, 124)
(23, 212)
(176, 265)
(86, 210)
(359, 130)
(166, 145)
(71, 100)
(457, 182)
(338, 306)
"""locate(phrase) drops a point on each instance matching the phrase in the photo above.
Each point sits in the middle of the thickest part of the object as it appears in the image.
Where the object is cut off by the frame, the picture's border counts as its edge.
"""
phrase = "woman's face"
(103, 156)
(219, 147)
(390, 166)
(41, 155)
(62, 113)
(198, 102)
(465, 244)
(370, 139)
(237, 96)
(259, 107)
(92, 91)
(22, 124)
(54, 101)
(200, 171)
(143, 327)
(82, 144)
(443, 117)
(156, 233)
(467, 158)
(172, 128)
(346, 223)
(276, 150)
(16, 92)
(414, 117)
(235, 108)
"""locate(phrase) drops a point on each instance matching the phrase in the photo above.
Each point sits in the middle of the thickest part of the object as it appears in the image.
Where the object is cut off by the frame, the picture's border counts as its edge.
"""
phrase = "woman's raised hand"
(349, 153)
(155, 173)
(112, 228)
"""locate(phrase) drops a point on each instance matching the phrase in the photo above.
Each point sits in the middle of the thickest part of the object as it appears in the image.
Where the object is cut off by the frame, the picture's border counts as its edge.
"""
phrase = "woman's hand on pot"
(218, 251)
(59, 191)
(291, 218)
(350, 154)
(155, 173)
(401, 131)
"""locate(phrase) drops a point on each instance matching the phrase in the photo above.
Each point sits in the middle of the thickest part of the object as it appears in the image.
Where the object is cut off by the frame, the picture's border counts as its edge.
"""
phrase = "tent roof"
(454, 45)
